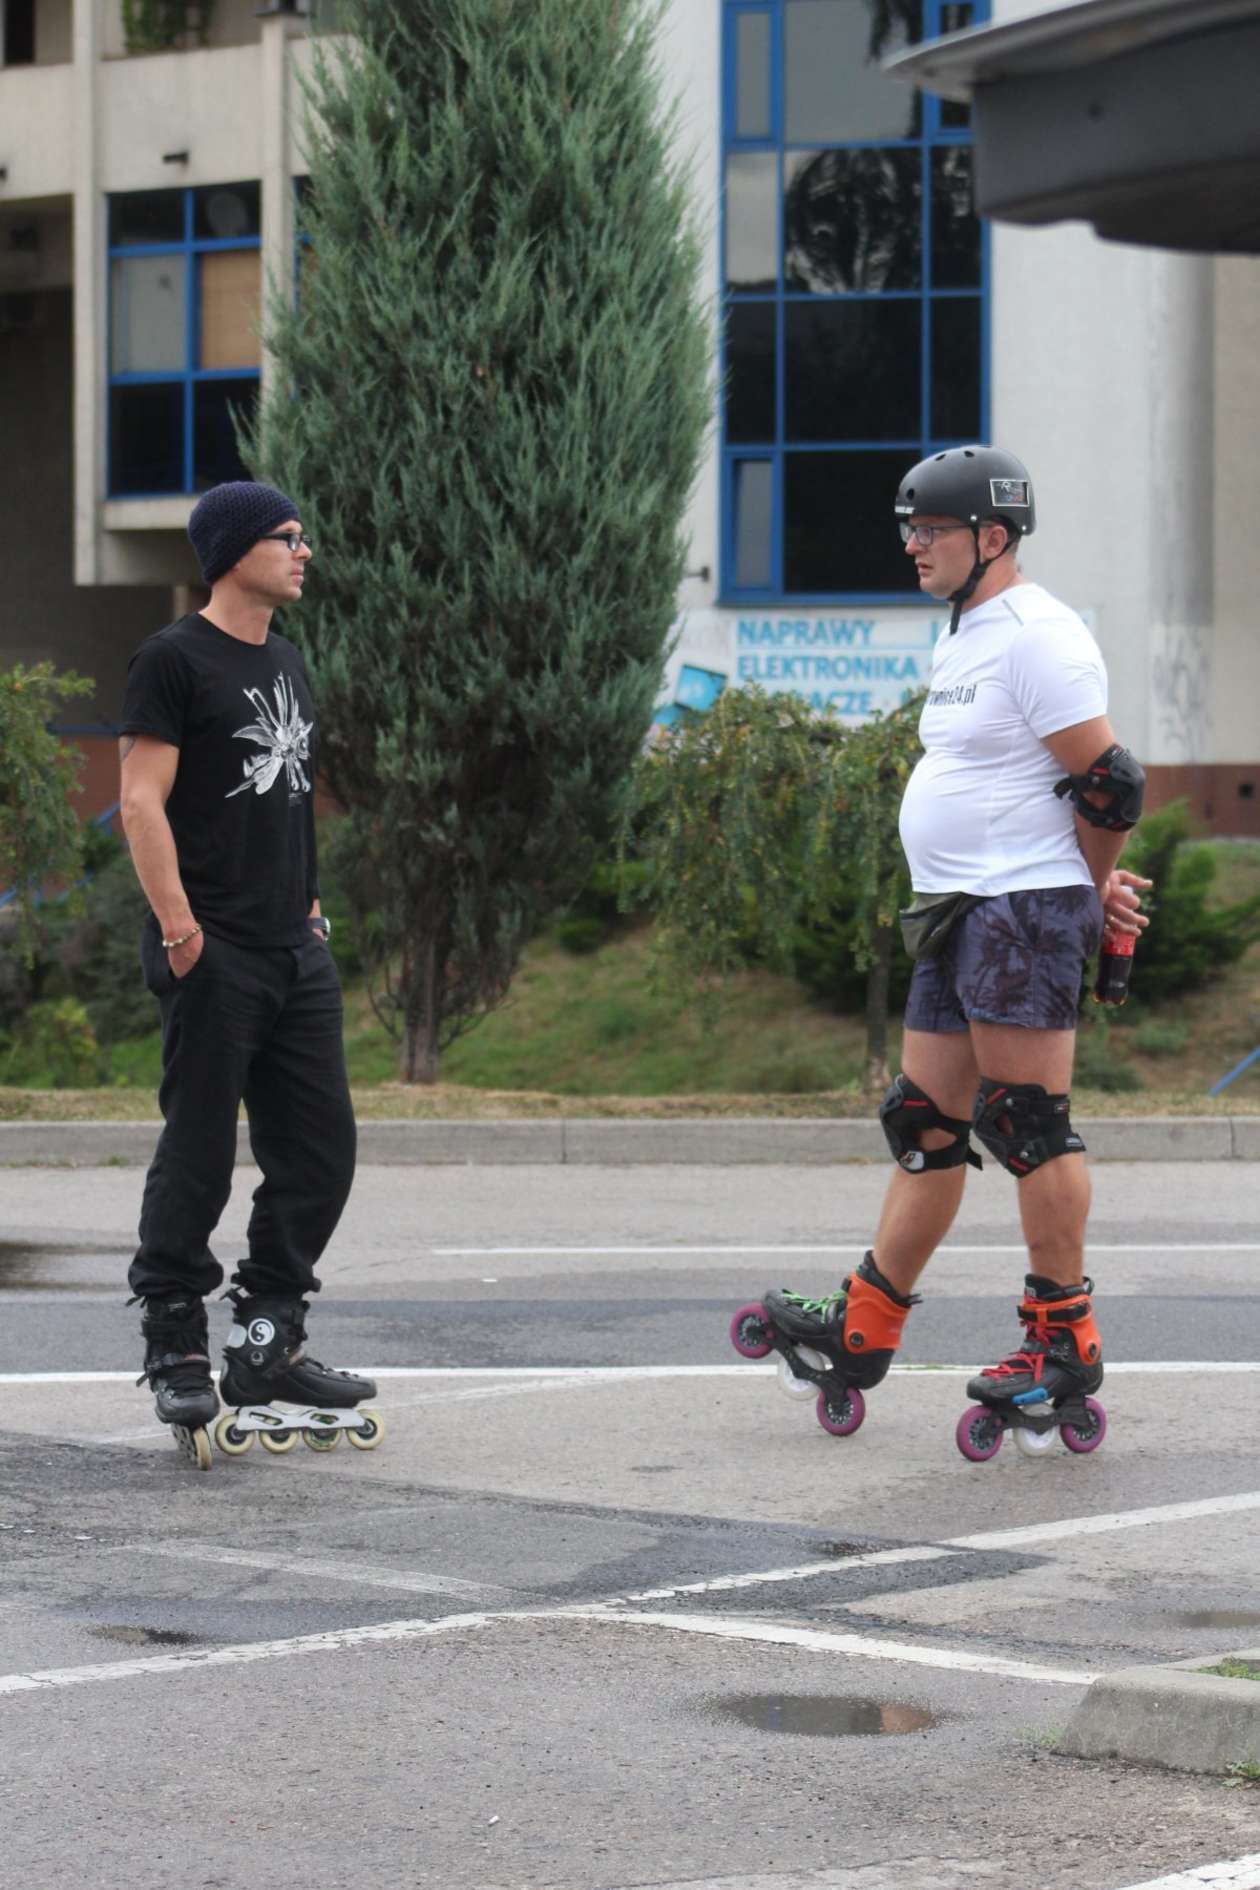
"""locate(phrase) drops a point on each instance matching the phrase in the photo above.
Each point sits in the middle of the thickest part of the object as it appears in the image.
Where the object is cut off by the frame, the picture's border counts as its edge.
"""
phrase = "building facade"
(149, 160)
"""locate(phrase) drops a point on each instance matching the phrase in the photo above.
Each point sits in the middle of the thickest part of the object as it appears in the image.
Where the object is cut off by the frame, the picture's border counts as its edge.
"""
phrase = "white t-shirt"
(979, 814)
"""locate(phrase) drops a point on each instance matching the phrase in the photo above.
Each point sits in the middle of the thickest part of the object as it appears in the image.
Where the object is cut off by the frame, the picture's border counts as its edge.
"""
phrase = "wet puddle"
(20, 1263)
(1220, 1618)
(148, 1636)
(837, 1717)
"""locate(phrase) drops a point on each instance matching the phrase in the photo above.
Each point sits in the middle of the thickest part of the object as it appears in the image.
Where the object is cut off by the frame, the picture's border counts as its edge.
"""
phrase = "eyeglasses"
(924, 534)
(291, 539)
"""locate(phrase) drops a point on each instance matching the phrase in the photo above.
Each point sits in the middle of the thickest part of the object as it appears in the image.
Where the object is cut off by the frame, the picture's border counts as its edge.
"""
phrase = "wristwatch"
(323, 926)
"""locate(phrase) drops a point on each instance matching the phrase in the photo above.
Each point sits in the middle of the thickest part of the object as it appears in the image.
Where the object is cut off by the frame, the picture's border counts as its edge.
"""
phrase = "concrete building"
(862, 315)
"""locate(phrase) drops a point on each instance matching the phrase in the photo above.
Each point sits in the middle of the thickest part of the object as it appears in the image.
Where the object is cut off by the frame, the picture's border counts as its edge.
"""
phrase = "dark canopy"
(1141, 117)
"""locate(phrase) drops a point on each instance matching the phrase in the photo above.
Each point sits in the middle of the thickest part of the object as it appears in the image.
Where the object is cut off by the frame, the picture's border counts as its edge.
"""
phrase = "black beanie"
(229, 519)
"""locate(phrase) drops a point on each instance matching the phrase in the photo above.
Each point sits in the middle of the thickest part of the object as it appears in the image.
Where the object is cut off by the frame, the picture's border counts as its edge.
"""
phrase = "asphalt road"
(605, 1609)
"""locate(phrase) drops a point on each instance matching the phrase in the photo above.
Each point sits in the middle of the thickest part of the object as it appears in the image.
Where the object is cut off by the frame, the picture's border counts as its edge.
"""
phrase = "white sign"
(851, 666)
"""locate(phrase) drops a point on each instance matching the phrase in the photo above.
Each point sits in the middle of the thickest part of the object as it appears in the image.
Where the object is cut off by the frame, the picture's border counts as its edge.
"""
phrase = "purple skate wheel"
(1084, 1437)
(750, 1332)
(841, 1416)
(978, 1433)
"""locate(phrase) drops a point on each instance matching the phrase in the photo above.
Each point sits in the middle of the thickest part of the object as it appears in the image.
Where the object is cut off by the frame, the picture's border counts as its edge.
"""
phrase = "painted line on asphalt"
(719, 1250)
(562, 1376)
(331, 1642)
(856, 1646)
(993, 1539)
(415, 1582)
(1242, 1873)
(1108, 1523)
(878, 1558)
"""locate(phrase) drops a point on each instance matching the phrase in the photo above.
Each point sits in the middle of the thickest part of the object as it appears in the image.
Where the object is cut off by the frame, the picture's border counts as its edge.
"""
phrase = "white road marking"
(563, 1376)
(1107, 1523)
(878, 1558)
(857, 1646)
(719, 1249)
(353, 1572)
(1242, 1874)
(50, 1677)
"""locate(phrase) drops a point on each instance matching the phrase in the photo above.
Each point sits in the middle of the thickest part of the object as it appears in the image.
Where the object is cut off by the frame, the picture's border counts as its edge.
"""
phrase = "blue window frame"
(855, 281)
(183, 347)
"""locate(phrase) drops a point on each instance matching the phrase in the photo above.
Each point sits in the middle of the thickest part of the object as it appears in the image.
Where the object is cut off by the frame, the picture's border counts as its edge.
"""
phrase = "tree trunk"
(878, 979)
(421, 981)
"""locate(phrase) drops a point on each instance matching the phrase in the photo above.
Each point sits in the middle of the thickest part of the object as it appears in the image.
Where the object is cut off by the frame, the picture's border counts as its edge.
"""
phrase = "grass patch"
(1232, 1669)
(1244, 1771)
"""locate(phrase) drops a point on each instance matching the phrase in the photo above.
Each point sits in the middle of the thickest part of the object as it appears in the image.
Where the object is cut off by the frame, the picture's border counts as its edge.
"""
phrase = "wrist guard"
(1118, 776)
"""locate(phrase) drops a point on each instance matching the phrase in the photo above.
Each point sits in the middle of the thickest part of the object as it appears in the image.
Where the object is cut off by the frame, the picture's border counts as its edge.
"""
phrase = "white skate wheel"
(1034, 1443)
(367, 1434)
(793, 1386)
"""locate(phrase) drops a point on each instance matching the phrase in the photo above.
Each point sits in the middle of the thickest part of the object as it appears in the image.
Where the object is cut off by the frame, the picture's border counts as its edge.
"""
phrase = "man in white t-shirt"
(1012, 824)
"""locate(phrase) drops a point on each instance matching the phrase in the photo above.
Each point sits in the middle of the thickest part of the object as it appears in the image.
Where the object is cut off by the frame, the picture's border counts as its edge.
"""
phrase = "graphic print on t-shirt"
(284, 738)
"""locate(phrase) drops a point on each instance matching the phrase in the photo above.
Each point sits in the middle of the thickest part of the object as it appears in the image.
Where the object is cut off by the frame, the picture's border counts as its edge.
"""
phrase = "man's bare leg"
(1053, 1200)
(919, 1210)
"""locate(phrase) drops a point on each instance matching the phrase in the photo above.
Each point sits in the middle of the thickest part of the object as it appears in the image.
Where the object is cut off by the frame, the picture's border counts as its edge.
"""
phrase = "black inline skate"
(829, 1349)
(177, 1366)
(1043, 1388)
(279, 1392)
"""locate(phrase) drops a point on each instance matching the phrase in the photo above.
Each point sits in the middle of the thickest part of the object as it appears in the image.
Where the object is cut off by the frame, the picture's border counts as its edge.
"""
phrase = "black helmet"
(973, 483)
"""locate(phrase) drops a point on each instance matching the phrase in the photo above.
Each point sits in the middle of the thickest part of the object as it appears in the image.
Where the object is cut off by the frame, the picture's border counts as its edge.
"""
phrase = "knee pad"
(1023, 1126)
(904, 1113)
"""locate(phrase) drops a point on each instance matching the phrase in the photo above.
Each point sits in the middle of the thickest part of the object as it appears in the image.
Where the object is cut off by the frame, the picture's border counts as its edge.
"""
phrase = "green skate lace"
(816, 1306)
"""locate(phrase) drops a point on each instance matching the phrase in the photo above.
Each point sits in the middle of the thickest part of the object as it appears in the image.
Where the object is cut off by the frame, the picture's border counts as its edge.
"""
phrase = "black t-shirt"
(242, 809)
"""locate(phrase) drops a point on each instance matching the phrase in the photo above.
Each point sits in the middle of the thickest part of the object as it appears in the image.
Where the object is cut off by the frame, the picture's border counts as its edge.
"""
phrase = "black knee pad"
(904, 1113)
(1039, 1126)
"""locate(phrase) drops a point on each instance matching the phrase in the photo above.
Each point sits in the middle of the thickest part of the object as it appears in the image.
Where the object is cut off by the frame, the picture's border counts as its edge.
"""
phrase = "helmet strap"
(959, 597)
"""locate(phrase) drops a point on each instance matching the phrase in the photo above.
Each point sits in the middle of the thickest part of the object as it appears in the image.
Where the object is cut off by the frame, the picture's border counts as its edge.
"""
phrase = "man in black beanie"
(219, 753)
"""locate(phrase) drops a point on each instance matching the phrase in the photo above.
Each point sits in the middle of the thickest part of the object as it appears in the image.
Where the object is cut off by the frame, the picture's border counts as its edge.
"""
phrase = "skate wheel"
(368, 1434)
(1034, 1443)
(794, 1387)
(750, 1330)
(278, 1442)
(841, 1416)
(231, 1441)
(1085, 1437)
(979, 1433)
(321, 1440)
(193, 1445)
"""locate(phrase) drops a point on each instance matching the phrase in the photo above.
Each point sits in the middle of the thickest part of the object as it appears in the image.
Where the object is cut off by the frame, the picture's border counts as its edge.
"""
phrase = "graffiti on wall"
(850, 667)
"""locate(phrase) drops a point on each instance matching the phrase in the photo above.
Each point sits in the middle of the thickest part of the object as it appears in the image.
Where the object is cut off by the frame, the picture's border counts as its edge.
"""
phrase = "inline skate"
(1043, 1388)
(829, 1349)
(279, 1393)
(177, 1366)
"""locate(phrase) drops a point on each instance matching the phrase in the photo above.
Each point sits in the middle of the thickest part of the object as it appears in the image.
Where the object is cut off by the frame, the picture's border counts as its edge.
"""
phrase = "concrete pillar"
(90, 304)
(277, 181)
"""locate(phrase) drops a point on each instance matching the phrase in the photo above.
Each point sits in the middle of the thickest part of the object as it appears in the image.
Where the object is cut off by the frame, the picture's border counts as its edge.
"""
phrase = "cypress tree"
(489, 403)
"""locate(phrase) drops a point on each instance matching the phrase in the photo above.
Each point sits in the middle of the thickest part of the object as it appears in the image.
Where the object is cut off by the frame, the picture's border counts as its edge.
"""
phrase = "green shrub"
(1098, 1063)
(1189, 940)
(1154, 1039)
(580, 932)
(54, 1047)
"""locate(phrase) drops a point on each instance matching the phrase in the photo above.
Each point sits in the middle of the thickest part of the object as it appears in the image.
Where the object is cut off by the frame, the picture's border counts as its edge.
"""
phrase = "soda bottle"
(1115, 963)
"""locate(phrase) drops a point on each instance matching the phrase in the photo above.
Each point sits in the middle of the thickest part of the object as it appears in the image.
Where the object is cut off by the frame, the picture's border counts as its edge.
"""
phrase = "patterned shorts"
(1017, 958)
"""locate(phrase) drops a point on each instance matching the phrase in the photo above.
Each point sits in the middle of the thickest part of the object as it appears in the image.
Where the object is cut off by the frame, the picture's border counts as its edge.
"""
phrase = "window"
(854, 334)
(185, 275)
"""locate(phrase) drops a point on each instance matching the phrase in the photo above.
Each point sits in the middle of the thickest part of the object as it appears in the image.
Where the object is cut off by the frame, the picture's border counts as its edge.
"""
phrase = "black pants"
(265, 1028)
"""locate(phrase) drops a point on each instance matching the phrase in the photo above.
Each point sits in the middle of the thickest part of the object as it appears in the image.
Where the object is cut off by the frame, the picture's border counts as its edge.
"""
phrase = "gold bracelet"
(169, 944)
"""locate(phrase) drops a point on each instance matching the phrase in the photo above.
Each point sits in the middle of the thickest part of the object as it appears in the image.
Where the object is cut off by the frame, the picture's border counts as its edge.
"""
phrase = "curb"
(612, 1142)
(1177, 1717)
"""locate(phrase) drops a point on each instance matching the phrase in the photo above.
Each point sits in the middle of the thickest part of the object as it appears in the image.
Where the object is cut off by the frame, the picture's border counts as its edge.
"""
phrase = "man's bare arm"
(148, 774)
(1075, 749)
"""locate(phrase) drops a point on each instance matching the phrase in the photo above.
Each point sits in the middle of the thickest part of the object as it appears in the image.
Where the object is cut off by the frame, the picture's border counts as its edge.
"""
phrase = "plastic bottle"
(1115, 964)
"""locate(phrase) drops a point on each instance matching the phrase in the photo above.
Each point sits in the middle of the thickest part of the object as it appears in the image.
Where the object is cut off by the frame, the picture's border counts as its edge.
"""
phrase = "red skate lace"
(1030, 1361)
